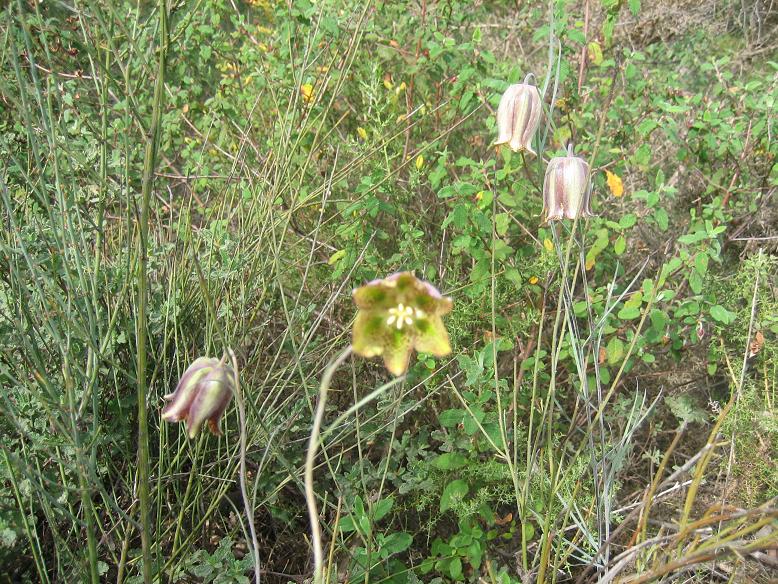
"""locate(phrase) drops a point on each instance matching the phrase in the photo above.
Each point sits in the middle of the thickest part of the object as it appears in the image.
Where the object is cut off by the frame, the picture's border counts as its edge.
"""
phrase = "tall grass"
(146, 225)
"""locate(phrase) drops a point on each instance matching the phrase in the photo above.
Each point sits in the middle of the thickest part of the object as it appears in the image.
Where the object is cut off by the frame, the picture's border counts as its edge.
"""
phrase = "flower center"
(401, 315)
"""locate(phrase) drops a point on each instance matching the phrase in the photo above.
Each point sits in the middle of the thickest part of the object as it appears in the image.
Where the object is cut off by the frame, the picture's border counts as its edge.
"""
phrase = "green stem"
(249, 508)
(149, 164)
(310, 460)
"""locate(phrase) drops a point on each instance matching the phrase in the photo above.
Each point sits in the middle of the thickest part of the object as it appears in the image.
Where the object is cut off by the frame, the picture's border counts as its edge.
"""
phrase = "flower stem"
(243, 490)
(310, 460)
(149, 163)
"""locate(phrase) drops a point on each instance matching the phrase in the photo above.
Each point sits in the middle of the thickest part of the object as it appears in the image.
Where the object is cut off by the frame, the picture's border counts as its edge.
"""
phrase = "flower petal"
(213, 396)
(432, 337)
(505, 115)
(397, 351)
(186, 390)
(369, 333)
(375, 295)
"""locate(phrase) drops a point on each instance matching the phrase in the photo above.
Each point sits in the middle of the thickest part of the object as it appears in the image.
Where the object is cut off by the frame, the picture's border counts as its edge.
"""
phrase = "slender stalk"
(242, 474)
(310, 460)
(149, 164)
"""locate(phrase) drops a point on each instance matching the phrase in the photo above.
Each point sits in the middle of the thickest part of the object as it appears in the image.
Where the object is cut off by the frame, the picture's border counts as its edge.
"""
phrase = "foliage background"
(305, 148)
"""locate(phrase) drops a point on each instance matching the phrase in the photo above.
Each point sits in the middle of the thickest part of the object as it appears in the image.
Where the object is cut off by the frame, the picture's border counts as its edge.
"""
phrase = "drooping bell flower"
(518, 116)
(202, 395)
(566, 190)
(396, 315)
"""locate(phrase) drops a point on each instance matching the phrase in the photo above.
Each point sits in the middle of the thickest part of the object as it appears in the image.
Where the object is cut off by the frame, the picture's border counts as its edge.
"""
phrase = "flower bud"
(202, 394)
(518, 116)
(566, 188)
(396, 315)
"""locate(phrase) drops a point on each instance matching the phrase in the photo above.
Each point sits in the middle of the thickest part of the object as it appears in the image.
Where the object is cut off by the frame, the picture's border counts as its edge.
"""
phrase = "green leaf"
(474, 554)
(629, 313)
(450, 461)
(463, 189)
(347, 524)
(455, 568)
(695, 282)
(471, 421)
(501, 222)
(634, 7)
(701, 263)
(658, 320)
(396, 543)
(722, 315)
(662, 219)
(614, 350)
(336, 257)
(382, 508)
(454, 492)
(628, 221)
(450, 418)
(364, 525)
(620, 245)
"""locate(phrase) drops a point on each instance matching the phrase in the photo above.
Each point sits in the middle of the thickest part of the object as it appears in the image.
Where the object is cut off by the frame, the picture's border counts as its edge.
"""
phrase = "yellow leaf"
(615, 184)
(336, 257)
(595, 53)
(533, 280)
(419, 162)
(589, 263)
(306, 89)
(548, 245)
(362, 133)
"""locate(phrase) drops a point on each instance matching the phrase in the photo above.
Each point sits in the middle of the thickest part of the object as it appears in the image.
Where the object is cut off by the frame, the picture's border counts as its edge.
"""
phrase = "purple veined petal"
(213, 395)
(506, 115)
(518, 116)
(196, 365)
(186, 391)
(553, 191)
(526, 118)
(576, 186)
(531, 128)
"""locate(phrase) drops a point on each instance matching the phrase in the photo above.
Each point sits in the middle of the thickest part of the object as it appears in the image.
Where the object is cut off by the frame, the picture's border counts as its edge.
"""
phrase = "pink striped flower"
(566, 190)
(202, 395)
(518, 116)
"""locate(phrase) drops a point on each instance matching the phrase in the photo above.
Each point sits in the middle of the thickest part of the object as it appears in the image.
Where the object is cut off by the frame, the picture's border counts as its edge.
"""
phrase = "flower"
(518, 116)
(566, 188)
(396, 315)
(202, 394)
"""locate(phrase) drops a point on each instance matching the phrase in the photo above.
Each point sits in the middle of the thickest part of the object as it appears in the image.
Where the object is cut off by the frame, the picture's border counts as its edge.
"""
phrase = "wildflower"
(518, 116)
(306, 89)
(615, 184)
(566, 188)
(396, 315)
(202, 394)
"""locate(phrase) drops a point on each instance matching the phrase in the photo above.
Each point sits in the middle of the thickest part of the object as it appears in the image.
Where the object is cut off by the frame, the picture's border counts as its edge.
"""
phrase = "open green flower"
(396, 315)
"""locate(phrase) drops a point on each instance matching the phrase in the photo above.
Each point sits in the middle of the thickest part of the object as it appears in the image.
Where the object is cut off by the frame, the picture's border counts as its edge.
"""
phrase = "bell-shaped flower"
(566, 190)
(396, 315)
(202, 395)
(518, 116)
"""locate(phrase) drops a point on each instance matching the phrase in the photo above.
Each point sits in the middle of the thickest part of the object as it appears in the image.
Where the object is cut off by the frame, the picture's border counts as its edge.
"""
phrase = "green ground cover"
(185, 178)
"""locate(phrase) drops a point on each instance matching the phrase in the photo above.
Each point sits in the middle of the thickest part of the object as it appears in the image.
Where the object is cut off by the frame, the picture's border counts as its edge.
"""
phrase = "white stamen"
(401, 315)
